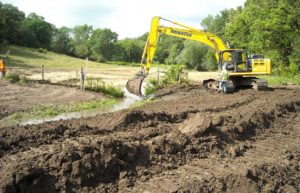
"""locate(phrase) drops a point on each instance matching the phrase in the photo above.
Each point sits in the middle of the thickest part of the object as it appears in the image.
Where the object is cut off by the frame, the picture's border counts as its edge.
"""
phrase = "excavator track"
(214, 85)
(259, 84)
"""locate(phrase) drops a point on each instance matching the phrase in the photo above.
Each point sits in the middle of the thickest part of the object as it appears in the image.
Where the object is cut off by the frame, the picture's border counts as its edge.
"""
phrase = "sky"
(128, 18)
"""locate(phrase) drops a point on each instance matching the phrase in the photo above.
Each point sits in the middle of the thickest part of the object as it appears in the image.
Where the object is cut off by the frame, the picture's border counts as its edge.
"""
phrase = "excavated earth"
(188, 140)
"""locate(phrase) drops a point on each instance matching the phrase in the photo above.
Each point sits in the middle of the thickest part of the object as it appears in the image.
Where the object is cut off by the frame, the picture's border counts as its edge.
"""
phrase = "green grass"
(47, 111)
(142, 102)
(98, 85)
(34, 57)
(282, 80)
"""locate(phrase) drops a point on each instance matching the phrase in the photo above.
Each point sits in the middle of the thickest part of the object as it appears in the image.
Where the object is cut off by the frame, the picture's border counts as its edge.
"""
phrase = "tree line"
(269, 27)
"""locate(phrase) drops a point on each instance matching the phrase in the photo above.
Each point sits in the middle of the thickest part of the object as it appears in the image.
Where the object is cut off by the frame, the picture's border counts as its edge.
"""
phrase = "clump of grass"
(173, 76)
(142, 102)
(98, 85)
(13, 77)
(151, 86)
(42, 50)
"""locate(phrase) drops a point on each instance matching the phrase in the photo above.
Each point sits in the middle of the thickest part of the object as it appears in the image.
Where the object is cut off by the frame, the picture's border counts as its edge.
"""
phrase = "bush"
(173, 76)
(151, 86)
(290, 71)
(13, 77)
(42, 50)
(98, 85)
(293, 69)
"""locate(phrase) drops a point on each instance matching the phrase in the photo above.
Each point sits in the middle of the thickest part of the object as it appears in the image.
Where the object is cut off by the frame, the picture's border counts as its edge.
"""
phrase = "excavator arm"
(184, 32)
(181, 31)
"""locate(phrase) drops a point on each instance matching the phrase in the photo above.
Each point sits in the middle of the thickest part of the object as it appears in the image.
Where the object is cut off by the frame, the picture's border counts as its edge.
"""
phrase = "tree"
(129, 50)
(37, 32)
(269, 27)
(216, 24)
(10, 23)
(192, 55)
(102, 44)
(62, 42)
(168, 48)
(81, 40)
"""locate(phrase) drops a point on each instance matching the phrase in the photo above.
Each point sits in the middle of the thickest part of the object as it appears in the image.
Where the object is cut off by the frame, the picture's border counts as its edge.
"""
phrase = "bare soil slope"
(191, 140)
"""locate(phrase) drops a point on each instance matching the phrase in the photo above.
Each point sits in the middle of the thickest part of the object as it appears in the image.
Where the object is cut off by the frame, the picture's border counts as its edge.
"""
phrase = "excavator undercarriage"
(238, 83)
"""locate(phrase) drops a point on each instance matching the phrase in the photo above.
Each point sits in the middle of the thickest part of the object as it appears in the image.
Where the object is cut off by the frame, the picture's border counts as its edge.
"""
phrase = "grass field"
(59, 67)
(30, 57)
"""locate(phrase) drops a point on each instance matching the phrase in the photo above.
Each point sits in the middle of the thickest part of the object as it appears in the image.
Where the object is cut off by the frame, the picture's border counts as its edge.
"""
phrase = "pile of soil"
(188, 140)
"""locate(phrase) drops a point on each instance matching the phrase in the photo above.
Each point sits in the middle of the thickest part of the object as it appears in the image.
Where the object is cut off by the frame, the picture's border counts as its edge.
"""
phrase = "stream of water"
(128, 100)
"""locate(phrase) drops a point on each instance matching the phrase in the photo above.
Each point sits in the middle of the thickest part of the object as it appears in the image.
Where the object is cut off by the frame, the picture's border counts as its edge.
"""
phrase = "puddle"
(121, 104)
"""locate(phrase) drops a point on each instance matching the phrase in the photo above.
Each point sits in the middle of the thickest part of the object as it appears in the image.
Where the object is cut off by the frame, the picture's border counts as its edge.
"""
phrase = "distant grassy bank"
(32, 57)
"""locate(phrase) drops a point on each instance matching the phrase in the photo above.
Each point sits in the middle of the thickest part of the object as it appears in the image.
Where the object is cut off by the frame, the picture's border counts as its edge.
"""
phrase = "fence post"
(82, 74)
(158, 76)
(43, 71)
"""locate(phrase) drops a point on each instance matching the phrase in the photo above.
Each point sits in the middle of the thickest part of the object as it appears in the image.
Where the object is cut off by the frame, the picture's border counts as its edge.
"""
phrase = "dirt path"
(21, 97)
(189, 140)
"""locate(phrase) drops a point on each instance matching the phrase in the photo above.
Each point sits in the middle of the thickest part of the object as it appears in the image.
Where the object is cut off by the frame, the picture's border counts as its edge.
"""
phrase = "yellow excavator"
(242, 69)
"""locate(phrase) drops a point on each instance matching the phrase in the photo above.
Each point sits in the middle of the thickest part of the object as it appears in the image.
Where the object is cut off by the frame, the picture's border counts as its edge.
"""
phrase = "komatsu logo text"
(181, 33)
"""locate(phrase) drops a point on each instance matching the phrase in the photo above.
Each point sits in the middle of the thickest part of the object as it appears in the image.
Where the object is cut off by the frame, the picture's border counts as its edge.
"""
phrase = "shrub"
(290, 71)
(293, 69)
(173, 76)
(42, 50)
(98, 85)
(13, 77)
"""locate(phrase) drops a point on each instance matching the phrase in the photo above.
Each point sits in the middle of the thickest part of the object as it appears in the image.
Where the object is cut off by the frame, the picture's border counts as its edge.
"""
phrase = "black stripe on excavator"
(181, 33)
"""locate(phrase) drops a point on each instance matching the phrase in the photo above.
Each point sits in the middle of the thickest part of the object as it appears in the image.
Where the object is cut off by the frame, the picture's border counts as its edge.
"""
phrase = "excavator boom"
(182, 31)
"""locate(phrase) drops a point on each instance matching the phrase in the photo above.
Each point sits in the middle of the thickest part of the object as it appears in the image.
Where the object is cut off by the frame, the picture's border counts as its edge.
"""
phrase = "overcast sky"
(129, 18)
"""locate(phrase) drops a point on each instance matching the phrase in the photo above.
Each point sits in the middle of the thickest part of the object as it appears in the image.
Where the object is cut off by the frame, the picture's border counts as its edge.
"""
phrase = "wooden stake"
(43, 71)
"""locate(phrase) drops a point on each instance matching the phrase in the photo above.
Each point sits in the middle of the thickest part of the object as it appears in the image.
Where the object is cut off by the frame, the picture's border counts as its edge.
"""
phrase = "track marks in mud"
(270, 165)
(117, 152)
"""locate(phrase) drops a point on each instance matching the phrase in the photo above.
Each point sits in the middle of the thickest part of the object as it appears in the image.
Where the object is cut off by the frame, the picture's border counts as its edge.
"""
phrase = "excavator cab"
(236, 60)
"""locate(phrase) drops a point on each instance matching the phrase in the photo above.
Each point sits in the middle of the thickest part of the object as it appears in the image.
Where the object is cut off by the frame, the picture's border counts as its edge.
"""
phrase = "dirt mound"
(268, 177)
(186, 142)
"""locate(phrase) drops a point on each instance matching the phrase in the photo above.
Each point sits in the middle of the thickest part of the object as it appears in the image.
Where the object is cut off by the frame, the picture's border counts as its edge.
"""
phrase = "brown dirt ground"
(18, 97)
(190, 140)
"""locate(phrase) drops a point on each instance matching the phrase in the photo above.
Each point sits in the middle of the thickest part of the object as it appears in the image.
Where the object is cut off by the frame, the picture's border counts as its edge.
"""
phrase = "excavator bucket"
(134, 85)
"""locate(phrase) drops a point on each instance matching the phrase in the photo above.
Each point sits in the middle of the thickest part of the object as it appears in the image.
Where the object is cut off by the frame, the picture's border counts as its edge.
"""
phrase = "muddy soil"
(188, 140)
(18, 97)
